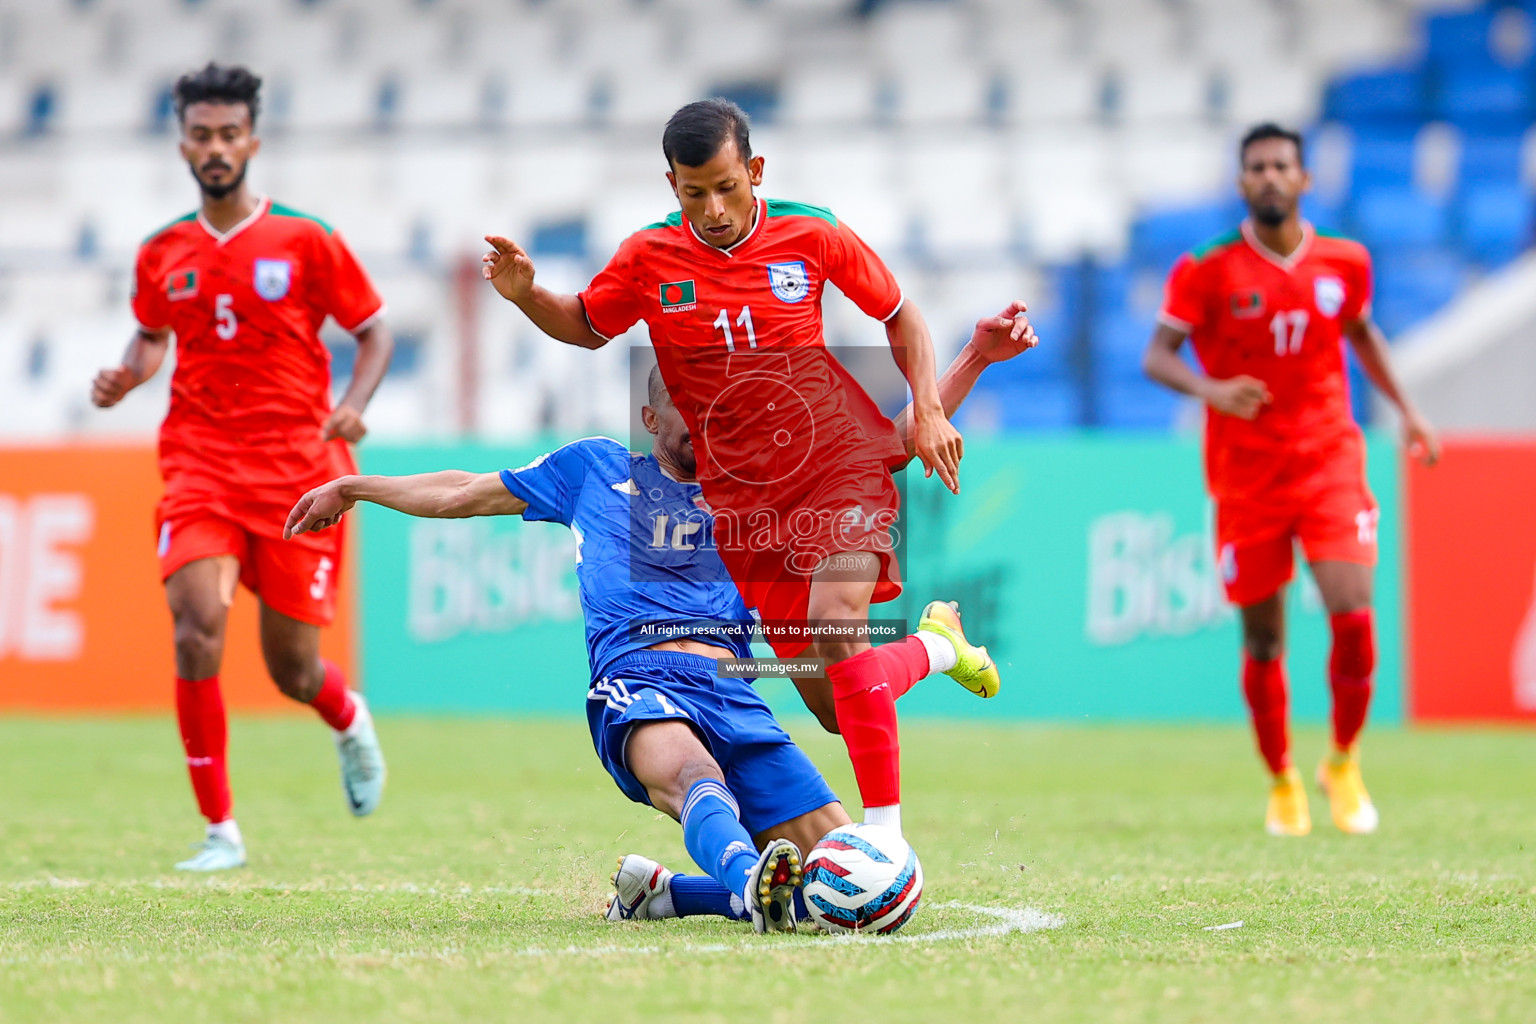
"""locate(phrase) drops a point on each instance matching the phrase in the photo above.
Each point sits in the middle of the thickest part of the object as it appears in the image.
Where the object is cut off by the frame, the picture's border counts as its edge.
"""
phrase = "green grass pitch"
(473, 894)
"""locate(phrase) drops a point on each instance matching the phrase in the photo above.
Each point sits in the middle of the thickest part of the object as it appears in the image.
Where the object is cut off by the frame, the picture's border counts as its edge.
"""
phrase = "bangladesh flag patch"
(677, 297)
(1247, 304)
(181, 285)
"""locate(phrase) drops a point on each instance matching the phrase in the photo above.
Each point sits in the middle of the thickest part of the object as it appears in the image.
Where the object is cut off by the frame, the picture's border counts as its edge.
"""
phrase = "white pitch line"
(196, 884)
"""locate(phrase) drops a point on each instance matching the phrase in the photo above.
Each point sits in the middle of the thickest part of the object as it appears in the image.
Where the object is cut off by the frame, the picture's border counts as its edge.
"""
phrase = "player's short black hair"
(656, 394)
(218, 83)
(1270, 130)
(696, 132)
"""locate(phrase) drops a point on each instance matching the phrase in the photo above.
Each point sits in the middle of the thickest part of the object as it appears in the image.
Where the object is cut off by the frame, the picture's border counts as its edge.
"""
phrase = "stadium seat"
(1413, 283)
(1136, 404)
(1458, 37)
(1399, 216)
(1383, 158)
(1159, 237)
(1391, 98)
(1119, 342)
(1484, 96)
(1493, 159)
(1037, 404)
(1496, 222)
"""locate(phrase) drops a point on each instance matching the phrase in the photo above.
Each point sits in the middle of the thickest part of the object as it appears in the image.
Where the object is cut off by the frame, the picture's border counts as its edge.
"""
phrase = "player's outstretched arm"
(375, 348)
(1370, 347)
(935, 440)
(450, 494)
(145, 354)
(510, 270)
(1240, 396)
(995, 339)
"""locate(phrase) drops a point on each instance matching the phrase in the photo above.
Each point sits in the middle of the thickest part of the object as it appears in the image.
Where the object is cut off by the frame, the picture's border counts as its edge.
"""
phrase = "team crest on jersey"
(1247, 304)
(273, 278)
(181, 285)
(789, 281)
(1329, 292)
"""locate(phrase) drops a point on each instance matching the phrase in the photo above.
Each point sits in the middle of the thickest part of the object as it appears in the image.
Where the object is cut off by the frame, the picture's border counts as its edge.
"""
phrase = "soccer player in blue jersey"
(671, 732)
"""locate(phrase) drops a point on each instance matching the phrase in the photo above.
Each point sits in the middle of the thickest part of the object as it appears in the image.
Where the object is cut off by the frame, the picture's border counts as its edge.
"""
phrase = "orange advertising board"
(1472, 583)
(83, 620)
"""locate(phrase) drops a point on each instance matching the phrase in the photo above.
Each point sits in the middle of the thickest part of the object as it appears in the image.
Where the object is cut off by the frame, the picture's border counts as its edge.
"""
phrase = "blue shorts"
(770, 777)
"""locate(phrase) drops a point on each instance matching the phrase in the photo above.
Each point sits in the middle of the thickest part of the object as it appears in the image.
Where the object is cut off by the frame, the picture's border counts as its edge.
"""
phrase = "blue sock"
(700, 895)
(715, 837)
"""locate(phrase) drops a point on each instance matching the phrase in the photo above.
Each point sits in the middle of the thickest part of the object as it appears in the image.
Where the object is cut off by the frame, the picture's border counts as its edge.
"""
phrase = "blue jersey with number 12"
(645, 554)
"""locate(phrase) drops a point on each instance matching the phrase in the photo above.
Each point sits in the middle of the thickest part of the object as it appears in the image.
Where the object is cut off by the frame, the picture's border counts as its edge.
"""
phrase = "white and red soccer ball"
(862, 878)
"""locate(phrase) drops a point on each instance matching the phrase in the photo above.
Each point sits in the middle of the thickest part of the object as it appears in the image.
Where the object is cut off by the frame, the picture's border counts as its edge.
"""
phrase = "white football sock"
(942, 655)
(226, 829)
(888, 816)
(661, 905)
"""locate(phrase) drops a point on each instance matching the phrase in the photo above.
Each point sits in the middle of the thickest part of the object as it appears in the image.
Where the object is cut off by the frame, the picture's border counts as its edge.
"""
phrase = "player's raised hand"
(111, 385)
(1240, 396)
(1001, 337)
(1420, 438)
(939, 445)
(346, 423)
(319, 509)
(508, 268)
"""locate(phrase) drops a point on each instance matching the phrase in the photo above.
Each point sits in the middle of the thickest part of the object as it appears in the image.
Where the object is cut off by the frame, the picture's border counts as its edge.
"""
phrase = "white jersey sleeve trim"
(1169, 320)
(588, 317)
(367, 321)
(901, 300)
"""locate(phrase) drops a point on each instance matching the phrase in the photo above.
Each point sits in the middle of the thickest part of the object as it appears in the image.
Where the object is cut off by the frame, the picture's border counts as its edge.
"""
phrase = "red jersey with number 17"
(1249, 311)
(738, 337)
(252, 387)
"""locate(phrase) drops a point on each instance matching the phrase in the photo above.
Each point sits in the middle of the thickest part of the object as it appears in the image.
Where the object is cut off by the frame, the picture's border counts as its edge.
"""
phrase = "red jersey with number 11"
(1249, 311)
(738, 337)
(252, 387)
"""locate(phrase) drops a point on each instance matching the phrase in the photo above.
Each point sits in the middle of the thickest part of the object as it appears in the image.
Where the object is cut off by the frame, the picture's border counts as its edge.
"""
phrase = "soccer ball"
(862, 878)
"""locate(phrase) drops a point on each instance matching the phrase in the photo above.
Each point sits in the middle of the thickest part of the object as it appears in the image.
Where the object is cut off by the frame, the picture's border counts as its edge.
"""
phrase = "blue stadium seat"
(1491, 159)
(1484, 96)
(1160, 236)
(1383, 157)
(1052, 358)
(1391, 97)
(1412, 284)
(1400, 216)
(1496, 222)
(1119, 340)
(1036, 404)
(1136, 405)
(560, 238)
(1458, 37)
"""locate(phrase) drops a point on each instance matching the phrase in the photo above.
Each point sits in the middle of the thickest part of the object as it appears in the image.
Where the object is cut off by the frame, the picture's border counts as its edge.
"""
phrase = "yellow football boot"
(1288, 814)
(974, 668)
(1339, 777)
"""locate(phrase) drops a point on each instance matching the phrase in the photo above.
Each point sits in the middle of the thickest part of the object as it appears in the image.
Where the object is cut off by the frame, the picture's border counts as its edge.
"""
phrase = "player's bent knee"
(297, 678)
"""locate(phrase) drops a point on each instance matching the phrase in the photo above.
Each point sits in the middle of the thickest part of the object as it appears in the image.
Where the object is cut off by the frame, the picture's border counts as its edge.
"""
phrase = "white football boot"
(636, 886)
(216, 853)
(362, 761)
(771, 887)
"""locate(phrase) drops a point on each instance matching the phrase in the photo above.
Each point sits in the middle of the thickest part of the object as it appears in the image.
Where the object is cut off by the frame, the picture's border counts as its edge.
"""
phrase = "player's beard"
(1271, 215)
(220, 191)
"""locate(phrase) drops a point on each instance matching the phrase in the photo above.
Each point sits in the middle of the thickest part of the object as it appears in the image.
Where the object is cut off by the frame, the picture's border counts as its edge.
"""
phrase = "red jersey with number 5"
(1249, 311)
(252, 386)
(738, 337)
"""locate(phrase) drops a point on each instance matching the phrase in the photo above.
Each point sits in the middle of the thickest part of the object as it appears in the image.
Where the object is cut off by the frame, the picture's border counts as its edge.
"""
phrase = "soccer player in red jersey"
(244, 285)
(795, 459)
(1266, 307)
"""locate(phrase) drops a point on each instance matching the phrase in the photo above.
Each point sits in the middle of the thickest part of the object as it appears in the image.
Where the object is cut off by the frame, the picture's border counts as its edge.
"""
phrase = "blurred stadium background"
(1062, 151)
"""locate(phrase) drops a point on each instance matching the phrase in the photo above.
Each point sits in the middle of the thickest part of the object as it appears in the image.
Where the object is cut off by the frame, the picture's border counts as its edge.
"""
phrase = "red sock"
(1264, 686)
(205, 737)
(866, 715)
(333, 702)
(905, 662)
(1349, 673)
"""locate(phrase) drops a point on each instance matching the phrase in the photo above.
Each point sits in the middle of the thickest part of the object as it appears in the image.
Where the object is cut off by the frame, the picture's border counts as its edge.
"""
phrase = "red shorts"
(1332, 514)
(772, 551)
(296, 578)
